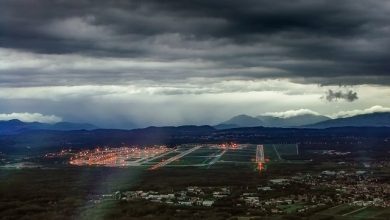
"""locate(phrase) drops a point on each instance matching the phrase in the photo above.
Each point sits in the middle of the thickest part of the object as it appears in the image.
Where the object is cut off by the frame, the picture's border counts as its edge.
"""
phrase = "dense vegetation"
(57, 193)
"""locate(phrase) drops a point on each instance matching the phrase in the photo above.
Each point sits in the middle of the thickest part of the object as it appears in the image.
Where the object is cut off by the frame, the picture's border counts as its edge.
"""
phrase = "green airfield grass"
(291, 208)
(185, 147)
(342, 212)
(204, 155)
(339, 210)
(232, 164)
(237, 157)
(371, 212)
(205, 152)
(160, 159)
(245, 156)
(270, 153)
(189, 161)
(199, 157)
(275, 152)
(286, 149)
(385, 214)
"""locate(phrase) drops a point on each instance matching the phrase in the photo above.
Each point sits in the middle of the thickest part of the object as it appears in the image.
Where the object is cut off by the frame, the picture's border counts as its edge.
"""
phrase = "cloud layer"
(31, 117)
(291, 113)
(348, 96)
(373, 109)
(38, 117)
(325, 42)
(150, 62)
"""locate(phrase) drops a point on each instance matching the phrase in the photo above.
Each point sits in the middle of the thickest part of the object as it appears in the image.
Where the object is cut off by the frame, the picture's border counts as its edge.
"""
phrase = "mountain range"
(379, 119)
(16, 126)
(271, 121)
(300, 121)
(308, 121)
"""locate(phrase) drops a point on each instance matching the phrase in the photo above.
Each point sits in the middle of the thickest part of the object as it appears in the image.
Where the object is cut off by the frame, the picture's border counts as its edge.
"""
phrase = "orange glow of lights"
(260, 166)
(115, 157)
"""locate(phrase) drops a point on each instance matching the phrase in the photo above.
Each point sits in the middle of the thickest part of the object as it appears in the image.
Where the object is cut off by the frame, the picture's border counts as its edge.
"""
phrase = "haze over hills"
(172, 136)
(15, 134)
(308, 120)
(240, 121)
(271, 121)
(379, 119)
(16, 126)
(294, 121)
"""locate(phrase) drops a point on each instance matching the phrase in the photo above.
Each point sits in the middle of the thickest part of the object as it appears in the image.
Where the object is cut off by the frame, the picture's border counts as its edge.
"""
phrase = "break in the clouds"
(30, 117)
(127, 58)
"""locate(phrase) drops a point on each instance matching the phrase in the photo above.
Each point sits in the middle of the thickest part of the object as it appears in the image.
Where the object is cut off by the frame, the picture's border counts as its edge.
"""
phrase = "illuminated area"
(201, 155)
(230, 146)
(116, 157)
(260, 157)
(172, 159)
(62, 153)
(188, 155)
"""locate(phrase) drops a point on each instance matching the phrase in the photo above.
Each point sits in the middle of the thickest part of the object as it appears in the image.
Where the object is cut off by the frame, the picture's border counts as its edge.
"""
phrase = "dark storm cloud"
(348, 96)
(325, 42)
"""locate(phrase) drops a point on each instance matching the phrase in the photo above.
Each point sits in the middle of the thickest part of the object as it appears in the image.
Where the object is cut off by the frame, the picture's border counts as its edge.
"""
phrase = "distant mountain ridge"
(241, 121)
(15, 126)
(271, 121)
(300, 121)
(293, 121)
(379, 119)
(33, 140)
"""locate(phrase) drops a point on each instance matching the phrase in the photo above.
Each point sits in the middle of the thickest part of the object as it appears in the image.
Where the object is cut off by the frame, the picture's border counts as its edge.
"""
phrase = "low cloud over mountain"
(30, 117)
(189, 58)
(306, 117)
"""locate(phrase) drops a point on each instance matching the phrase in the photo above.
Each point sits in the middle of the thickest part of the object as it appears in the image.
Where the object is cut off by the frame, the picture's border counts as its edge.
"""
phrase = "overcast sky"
(153, 62)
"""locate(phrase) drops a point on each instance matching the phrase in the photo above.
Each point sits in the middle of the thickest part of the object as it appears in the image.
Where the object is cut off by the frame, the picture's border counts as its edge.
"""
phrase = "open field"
(270, 153)
(215, 155)
(200, 157)
(206, 152)
(190, 160)
(286, 149)
(161, 158)
(212, 155)
(275, 152)
(348, 212)
(243, 155)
